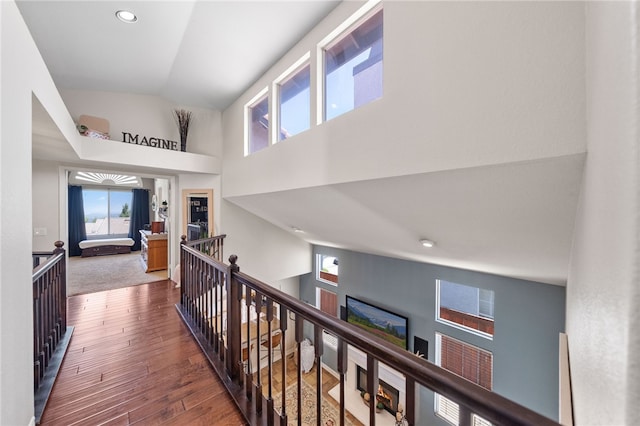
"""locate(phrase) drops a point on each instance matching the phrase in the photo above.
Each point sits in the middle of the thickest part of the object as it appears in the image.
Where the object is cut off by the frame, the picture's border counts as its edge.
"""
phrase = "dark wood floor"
(132, 361)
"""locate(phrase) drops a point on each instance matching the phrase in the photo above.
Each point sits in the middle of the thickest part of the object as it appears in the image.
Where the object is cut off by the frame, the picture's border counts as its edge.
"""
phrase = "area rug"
(328, 412)
(101, 273)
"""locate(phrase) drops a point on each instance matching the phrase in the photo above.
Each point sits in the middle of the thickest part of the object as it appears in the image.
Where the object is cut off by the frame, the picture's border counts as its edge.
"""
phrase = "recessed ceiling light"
(427, 243)
(126, 16)
(298, 230)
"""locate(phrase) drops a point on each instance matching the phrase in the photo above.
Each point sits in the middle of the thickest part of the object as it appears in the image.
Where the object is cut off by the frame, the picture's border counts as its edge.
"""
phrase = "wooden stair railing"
(51, 334)
(212, 247)
(213, 298)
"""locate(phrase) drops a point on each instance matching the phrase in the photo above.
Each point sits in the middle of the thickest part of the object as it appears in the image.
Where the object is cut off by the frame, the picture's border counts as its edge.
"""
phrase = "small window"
(465, 360)
(327, 268)
(257, 124)
(294, 102)
(465, 307)
(353, 67)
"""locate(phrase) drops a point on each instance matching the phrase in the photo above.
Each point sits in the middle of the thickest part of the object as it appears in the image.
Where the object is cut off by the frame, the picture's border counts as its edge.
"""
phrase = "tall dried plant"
(183, 118)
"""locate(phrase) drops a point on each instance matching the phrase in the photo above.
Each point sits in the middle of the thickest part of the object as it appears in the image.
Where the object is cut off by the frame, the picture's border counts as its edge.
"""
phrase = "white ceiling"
(514, 220)
(198, 53)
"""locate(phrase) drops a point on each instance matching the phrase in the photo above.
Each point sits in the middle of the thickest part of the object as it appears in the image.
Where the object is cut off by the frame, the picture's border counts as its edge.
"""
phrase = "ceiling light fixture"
(427, 243)
(298, 230)
(126, 16)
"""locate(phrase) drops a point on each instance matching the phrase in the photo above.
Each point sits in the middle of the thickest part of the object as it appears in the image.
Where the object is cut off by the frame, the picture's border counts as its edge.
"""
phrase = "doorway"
(197, 213)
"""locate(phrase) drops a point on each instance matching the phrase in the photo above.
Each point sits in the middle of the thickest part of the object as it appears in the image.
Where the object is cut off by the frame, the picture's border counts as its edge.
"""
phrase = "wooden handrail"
(50, 332)
(244, 386)
(212, 246)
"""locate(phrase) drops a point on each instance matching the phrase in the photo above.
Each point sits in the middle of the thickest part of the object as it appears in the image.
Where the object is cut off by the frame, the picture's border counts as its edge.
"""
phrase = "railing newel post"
(319, 350)
(343, 362)
(183, 268)
(258, 381)
(410, 401)
(233, 318)
(372, 387)
(464, 415)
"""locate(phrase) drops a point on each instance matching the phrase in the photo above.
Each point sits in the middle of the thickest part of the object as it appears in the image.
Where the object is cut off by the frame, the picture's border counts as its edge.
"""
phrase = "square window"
(327, 269)
(353, 67)
(107, 212)
(465, 307)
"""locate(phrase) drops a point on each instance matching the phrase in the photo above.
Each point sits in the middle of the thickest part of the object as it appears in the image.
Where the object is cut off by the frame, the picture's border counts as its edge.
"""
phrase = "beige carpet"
(100, 273)
(329, 413)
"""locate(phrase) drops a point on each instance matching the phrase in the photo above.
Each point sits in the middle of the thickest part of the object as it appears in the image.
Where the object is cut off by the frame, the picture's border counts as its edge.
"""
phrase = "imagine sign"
(152, 142)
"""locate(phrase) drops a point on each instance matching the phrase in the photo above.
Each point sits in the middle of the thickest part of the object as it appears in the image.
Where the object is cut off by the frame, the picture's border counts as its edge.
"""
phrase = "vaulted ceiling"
(512, 220)
(198, 53)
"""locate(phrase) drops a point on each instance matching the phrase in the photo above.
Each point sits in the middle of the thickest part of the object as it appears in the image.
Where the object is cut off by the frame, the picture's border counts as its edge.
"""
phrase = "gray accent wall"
(528, 318)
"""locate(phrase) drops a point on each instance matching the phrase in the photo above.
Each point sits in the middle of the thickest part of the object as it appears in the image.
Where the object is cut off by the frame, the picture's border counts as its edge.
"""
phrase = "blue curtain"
(77, 231)
(139, 215)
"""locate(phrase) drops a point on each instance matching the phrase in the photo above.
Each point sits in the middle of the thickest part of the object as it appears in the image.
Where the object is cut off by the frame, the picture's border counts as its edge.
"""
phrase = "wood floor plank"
(147, 387)
(132, 360)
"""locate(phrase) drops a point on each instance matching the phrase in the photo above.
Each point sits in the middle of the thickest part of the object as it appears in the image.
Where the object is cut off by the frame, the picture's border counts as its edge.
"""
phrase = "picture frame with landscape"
(381, 322)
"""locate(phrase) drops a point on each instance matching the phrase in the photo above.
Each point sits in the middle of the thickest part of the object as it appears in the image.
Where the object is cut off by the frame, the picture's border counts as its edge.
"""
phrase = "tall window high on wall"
(353, 66)
(327, 302)
(106, 211)
(294, 100)
(465, 360)
(257, 118)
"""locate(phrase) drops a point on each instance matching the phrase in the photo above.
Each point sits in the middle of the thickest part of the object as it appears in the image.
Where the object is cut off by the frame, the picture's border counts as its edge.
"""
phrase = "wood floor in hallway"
(132, 361)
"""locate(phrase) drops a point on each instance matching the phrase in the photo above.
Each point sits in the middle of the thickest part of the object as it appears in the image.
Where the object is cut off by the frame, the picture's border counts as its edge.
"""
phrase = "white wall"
(22, 73)
(150, 116)
(291, 286)
(264, 251)
(465, 84)
(161, 191)
(45, 200)
(603, 320)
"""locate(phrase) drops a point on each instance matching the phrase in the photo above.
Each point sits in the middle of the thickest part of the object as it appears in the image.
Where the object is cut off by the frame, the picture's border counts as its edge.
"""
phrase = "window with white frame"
(465, 307)
(294, 100)
(352, 66)
(327, 269)
(106, 211)
(257, 123)
(327, 302)
(465, 360)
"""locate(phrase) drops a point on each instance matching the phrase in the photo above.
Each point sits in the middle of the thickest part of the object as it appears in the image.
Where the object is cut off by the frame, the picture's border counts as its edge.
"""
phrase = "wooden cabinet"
(153, 251)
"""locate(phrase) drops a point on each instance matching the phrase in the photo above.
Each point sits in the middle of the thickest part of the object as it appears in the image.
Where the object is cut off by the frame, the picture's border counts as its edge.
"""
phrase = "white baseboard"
(330, 371)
